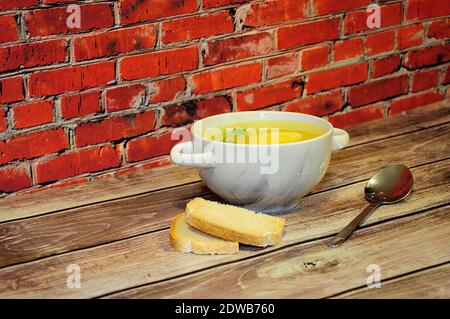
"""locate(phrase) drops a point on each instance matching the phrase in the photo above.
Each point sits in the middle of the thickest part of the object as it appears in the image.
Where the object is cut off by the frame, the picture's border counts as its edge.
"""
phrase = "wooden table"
(116, 230)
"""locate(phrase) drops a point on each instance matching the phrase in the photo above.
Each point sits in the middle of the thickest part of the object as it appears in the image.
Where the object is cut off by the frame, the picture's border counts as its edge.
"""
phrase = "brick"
(76, 163)
(337, 77)
(132, 11)
(57, 1)
(410, 102)
(167, 89)
(14, 178)
(318, 105)
(17, 4)
(357, 21)
(410, 36)
(281, 65)
(33, 145)
(308, 33)
(380, 42)
(183, 113)
(377, 90)
(220, 3)
(32, 54)
(322, 7)
(424, 80)
(124, 97)
(32, 114)
(274, 11)
(315, 57)
(115, 128)
(439, 29)
(93, 17)
(424, 9)
(3, 124)
(8, 28)
(114, 42)
(428, 56)
(386, 65)
(269, 95)
(68, 79)
(446, 77)
(149, 146)
(238, 48)
(201, 26)
(356, 116)
(226, 78)
(11, 90)
(348, 49)
(159, 63)
(80, 104)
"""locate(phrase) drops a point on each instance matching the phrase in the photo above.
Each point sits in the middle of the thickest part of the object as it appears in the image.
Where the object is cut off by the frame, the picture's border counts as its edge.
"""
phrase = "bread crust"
(201, 248)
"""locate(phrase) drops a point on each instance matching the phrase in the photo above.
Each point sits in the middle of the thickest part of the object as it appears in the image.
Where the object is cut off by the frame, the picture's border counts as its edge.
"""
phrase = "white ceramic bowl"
(281, 173)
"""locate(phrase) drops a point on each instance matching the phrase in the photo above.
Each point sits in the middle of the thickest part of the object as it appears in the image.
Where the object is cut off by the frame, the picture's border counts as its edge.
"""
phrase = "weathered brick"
(80, 104)
(322, 7)
(378, 90)
(3, 124)
(410, 36)
(275, 11)
(149, 146)
(75, 163)
(146, 10)
(281, 65)
(424, 9)
(268, 95)
(238, 48)
(428, 56)
(357, 21)
(11, 90)
(159, 63)
(318, 105)
(337, 77)
(308, 33)
(220, 3)
(32, 114)
(446, 77)
(362, 115)
(52, 82)
(8, 28)
(115, 128)
(410, 102)
(183, 113)
(17, 4)
(93, 16)
(14, 178)
(315, 57)
(348, 49)
(380, 42)
(424, 80)
(33, 145)
(114, 42)
(226, 77)
(439, 29)
(196, 27)
(32, 54)
(385, 65)
(167, 89)
(124, 97)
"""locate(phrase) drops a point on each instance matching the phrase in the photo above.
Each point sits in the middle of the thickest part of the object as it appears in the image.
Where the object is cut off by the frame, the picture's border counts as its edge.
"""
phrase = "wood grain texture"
(149, 258)
(28, 239)
(316, 271)
(427, 284)
(105, 189)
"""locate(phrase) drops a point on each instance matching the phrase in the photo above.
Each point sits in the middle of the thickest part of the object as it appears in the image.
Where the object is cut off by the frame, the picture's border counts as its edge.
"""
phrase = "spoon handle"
(345, 233)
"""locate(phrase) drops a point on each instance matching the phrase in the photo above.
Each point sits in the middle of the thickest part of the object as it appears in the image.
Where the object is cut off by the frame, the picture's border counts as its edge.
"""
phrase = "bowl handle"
(182, 154)
(340, 139)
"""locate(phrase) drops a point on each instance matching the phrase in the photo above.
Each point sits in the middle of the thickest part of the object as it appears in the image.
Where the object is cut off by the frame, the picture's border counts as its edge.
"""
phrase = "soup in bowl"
(264, 160)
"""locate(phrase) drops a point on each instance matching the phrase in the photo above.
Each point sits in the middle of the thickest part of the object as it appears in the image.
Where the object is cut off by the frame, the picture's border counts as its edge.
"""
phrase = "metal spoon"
(389, 186)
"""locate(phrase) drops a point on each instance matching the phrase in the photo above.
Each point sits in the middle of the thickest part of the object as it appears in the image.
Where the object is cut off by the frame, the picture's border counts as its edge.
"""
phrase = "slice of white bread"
(188, 239)
(234, 223)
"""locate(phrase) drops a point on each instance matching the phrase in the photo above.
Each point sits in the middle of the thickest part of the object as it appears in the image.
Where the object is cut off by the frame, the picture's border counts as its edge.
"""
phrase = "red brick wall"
(80, 102)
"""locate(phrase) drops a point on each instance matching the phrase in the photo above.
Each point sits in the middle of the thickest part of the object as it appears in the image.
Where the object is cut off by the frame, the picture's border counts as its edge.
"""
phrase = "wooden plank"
(105, 189)
(149, 258)
(114, 220)
(427, 284)
(317, 271)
